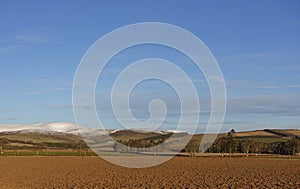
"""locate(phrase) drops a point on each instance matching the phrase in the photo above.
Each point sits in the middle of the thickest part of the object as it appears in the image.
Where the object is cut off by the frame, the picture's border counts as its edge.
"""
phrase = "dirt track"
(180, 172)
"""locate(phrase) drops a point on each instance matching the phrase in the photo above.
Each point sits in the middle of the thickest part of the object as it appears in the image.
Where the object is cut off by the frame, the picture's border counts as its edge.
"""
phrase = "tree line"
(140, 145)
(228, 144)
(231, 144)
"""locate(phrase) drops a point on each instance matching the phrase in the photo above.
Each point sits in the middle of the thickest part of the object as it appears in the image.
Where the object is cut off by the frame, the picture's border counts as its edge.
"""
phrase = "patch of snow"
(144, 130)
(175, 131)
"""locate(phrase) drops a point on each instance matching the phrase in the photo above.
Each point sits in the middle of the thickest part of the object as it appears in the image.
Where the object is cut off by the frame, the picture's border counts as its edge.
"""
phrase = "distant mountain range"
(40, 127)
(68, 128)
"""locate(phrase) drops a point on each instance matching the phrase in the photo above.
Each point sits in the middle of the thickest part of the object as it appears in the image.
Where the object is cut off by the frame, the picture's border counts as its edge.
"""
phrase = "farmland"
(253, 159)
(268, 141)
(179, 172)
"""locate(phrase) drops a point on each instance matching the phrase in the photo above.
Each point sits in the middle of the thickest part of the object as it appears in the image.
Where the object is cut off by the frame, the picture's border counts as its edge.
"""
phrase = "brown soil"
(180, 172)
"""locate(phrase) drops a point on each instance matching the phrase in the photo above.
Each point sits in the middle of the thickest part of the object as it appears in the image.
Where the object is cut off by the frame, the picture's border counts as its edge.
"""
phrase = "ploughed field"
(179, 172)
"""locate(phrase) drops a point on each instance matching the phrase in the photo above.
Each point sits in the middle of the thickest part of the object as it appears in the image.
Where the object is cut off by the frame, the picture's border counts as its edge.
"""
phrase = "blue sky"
(256, 44)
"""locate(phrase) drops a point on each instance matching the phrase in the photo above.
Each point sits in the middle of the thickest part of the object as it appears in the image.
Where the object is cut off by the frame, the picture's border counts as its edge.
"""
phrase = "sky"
(256, 44)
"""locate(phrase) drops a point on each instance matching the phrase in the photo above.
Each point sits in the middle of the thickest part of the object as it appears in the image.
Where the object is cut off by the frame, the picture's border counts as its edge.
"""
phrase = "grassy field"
(55, 144)
(259, 133)
(39, 138)
(50, 153)
(291, 132)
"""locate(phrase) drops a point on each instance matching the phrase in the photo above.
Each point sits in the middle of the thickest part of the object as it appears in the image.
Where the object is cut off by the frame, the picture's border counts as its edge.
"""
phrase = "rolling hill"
(67, 136)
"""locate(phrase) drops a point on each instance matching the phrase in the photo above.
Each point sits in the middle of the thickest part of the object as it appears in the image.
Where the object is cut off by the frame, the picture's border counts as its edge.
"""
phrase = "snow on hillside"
(56, 127)
(175, 131)
(70, 128)
(144, 130)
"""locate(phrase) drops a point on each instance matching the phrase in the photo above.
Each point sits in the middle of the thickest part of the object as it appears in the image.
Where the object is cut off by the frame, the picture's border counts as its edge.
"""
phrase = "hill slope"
(65, 136)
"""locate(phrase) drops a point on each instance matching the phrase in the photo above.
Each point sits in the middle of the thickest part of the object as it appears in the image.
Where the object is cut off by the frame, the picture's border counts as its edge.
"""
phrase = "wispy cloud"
(279, 104)
(251, 56)
(45, 91)
(269, 87)
(259, 85)
(262, 58)
(293, 86)
(9, 48)
(9, 119)
(33, 35)
(31, 38)
(25, 38)
(56, 89)
(277, 86)
(65, 106)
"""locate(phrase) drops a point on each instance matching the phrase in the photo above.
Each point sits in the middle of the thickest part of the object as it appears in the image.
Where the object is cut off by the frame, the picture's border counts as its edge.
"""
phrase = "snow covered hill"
(53, 126)
(69, 128)
(48, 128)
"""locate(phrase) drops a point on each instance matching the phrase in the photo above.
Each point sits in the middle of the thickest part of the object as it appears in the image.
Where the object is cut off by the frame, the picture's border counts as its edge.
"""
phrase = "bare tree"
(246, 145)
(80, 145)
(192, 148)
(293, 146)
(231, 143)
(257, 147)
(3, 143)
(44, 146)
